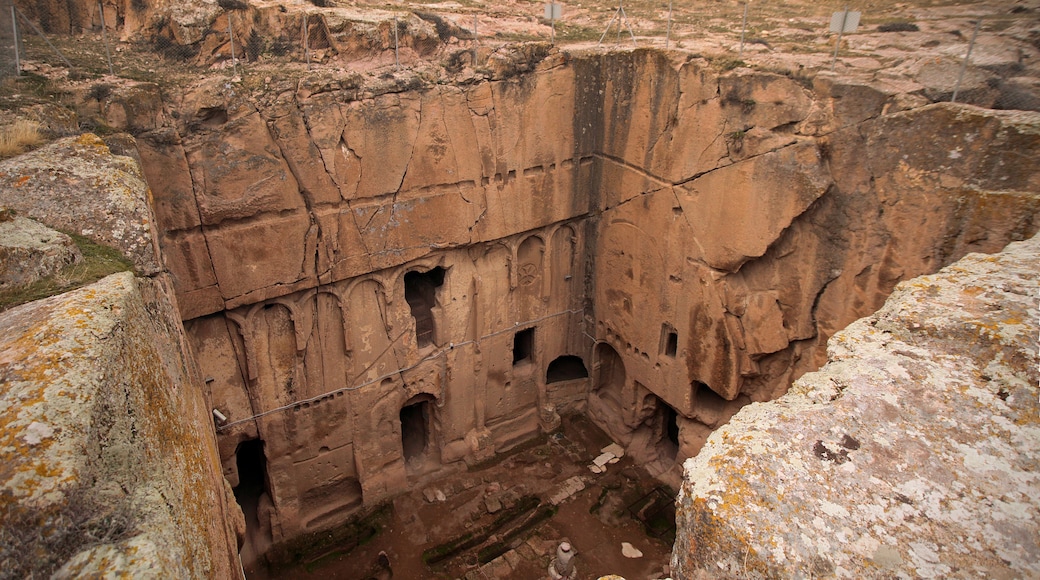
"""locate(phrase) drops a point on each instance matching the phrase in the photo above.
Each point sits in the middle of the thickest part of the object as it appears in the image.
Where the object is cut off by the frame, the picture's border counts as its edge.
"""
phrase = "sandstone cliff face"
(912, 452)
(106, 438)
(343, 251)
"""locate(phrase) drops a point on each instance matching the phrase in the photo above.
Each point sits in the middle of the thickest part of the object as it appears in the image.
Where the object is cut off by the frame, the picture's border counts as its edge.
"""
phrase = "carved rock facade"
(385, 284)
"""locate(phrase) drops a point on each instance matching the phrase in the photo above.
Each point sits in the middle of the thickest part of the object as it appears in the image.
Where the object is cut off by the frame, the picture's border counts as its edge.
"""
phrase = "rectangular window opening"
(523, 346)
(669, 340)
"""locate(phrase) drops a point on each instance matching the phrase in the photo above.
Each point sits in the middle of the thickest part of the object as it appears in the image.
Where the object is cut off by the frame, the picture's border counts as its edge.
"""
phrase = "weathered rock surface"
(30, 251)
(61, 195)
(96, 402)
(108, 462)
(911, 453)
(684, 240)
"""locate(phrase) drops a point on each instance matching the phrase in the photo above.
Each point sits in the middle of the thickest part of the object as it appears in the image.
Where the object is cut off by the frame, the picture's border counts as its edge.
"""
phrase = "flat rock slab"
(614, 449)
(912, 453)
(566, 490)
(30, 251)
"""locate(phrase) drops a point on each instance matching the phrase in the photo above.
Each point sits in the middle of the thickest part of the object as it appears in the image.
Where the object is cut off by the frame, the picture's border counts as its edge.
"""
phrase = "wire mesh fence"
(239, 40)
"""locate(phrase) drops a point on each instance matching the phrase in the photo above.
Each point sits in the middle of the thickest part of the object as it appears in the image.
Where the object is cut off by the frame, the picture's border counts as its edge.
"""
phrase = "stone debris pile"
(608, 455)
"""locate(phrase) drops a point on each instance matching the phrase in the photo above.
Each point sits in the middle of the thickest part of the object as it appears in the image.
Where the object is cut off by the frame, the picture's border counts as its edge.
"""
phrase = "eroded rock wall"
(912, 452)
(745, 217)
(344, 250)
(109, 460)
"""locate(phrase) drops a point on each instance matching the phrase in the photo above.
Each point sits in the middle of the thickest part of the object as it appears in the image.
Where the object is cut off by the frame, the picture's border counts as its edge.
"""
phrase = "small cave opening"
(670, 437)
(252, 475)
(671, 430)
(415, 435)
(566, 368)
(252, 485)
(523, 346)
(669, 341)
(420, 291)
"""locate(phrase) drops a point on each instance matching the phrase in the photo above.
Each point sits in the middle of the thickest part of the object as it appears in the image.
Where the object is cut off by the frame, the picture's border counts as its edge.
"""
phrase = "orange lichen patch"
(91, 140)
(973, 290)
(21, 180)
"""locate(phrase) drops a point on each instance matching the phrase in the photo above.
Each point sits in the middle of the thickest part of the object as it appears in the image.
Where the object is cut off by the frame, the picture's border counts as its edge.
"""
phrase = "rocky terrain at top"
(909, 46)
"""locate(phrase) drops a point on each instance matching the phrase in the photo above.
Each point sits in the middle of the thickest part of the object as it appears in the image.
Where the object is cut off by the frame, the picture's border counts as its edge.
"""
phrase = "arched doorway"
(610, 374)
(417, 436)
(565, 368)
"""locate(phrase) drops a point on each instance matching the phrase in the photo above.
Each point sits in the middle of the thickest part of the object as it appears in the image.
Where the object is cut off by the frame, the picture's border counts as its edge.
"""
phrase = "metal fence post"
(837, 47)
(397, 54)
(231, 35)
(668, 31)
(964, 65)
(17, 57)
(305, 31)
(45, 39)
(743, 30)
(104, 38)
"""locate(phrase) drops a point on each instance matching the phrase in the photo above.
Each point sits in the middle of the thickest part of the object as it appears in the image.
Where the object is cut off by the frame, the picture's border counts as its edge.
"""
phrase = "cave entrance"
(250, 493)
(420, 291)
(415, 432)
(670, 441)
(610, 375)
(565, 368)
(523, 346)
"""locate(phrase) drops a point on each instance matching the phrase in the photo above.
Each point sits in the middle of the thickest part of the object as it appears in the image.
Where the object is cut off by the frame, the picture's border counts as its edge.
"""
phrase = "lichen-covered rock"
(912, 453)
(99, 428)
(53, 183)
(30, 251)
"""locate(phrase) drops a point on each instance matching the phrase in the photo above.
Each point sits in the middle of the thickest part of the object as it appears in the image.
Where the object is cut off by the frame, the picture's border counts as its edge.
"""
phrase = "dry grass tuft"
(19, 137)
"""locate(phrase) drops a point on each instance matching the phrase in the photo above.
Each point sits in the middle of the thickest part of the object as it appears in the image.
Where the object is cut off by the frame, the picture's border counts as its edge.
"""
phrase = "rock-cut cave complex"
(381, 285)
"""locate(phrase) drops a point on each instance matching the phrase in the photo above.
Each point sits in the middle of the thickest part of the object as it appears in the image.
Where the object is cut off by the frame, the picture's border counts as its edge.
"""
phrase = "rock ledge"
(912, 453)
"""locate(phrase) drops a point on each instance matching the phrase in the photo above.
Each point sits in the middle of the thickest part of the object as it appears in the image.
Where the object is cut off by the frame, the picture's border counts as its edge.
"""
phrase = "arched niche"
(565, 368)
(420, 291)
(529, 263)
(279, 373)
(610, 374)
(417, 433)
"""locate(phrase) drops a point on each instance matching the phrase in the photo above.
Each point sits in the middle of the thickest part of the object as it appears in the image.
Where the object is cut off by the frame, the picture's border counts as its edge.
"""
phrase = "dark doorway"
(670, 443)
(523, 346)
(252, 485)
(252, 473)
(414, 431)
(420, 291)
(566, 368)
(669, 341)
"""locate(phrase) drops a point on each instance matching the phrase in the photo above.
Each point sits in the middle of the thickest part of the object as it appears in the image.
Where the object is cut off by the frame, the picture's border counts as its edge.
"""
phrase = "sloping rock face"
(108, 462)
(59, 194)
(911, 453)
(95, 436)
(345, 250)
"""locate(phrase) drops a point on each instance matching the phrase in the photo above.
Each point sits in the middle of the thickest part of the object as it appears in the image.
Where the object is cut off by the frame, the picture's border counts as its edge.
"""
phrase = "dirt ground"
(595, 520)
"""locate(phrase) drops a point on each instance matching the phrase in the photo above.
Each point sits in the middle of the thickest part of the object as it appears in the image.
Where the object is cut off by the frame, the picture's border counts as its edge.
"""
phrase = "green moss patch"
(98, 261)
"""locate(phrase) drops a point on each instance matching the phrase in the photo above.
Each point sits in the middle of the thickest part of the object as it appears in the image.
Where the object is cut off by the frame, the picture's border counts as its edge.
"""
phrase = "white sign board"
(851, 20)
(553, 11)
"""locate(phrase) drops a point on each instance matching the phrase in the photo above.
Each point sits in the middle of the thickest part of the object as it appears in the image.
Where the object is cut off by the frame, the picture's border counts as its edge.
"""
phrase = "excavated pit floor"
(596, 520)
